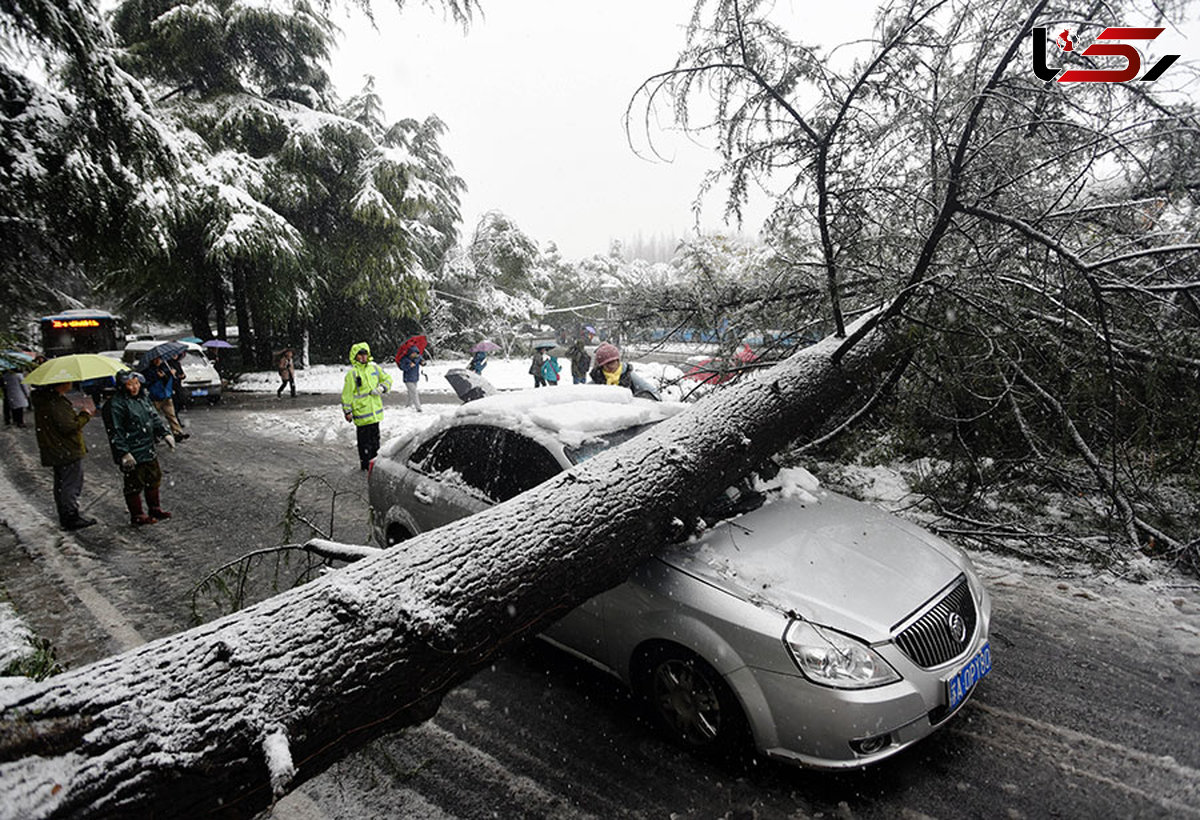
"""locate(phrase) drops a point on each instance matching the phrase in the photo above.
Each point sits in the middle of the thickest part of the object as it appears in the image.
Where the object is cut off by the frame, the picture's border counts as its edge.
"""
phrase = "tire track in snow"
(1156, 779)
(58, 551)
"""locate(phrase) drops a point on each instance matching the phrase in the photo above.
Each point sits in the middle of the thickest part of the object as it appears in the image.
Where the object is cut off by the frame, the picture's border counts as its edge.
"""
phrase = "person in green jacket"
(361, 403)
(133, 426)
(59, 428)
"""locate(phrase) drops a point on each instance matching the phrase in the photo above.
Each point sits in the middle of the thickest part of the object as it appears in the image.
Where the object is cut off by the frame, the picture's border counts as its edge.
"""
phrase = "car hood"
(836, 562)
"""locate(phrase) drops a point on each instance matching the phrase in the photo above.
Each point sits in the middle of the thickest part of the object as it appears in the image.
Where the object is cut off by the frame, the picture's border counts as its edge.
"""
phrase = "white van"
(201, 379)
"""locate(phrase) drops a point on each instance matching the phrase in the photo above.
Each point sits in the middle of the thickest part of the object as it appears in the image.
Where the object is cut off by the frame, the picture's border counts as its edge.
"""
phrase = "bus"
(81, 331)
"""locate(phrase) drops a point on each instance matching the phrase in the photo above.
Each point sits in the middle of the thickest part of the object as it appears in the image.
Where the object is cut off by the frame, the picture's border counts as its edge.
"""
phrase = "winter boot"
(156, 510)
(136, 517)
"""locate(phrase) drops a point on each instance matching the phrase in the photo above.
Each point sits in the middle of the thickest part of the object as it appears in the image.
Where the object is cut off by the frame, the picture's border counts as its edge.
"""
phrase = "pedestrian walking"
(581, 360)
(16, 397)
(478, 361)
(410, 366)
(361, 400)
(287, 372)
(550, 370)
(160, 384)
(133, 427)
(535, 368)
(59, 428)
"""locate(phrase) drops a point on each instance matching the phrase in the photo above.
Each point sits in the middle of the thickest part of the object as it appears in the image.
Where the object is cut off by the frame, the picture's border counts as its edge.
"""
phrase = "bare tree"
(1039, 237)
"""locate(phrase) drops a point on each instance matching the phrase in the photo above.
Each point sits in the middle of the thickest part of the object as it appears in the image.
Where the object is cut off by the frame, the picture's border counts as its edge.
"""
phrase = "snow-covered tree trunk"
(229, 715)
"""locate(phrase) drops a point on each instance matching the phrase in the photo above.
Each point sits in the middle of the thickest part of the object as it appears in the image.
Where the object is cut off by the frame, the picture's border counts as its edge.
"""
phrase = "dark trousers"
(286, 383)
(68, 484)
(368, 443)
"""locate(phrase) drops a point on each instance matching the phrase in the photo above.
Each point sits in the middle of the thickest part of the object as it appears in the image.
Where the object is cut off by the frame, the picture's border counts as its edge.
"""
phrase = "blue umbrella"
(165, 350)
(191, 339)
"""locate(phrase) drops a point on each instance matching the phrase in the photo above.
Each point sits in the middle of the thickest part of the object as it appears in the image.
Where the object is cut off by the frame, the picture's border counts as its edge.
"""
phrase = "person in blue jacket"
(160, 384)
(550, 370)
(478, 362)
(410, 366)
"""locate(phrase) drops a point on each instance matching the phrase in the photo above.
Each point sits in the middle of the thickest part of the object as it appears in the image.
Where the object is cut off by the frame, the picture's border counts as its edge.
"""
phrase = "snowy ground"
(327, 424)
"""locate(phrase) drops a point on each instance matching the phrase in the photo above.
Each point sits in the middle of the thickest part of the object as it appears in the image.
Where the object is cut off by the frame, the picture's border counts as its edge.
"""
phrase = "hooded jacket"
(133, 426)
(359, 397)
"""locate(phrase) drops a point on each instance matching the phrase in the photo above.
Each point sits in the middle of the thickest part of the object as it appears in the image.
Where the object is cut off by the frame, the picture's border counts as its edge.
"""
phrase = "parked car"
(832, 633)
(202, 380)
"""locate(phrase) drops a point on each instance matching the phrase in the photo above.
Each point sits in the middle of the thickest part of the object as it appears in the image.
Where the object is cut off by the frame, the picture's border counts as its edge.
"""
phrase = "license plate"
(960, 683)
(199, 391)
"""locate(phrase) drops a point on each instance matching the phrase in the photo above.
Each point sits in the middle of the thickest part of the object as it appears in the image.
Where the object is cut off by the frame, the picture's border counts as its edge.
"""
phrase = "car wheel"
(691, 702)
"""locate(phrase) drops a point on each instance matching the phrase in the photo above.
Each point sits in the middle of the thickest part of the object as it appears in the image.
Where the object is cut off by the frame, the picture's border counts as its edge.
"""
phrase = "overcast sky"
(533, 96)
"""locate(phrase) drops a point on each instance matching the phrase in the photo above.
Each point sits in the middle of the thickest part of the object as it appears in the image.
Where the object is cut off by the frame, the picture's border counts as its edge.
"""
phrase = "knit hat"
(606, 353)
(125, 375)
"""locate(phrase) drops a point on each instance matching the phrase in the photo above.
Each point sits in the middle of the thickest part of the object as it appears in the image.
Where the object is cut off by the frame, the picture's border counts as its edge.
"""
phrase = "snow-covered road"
(1091, 709)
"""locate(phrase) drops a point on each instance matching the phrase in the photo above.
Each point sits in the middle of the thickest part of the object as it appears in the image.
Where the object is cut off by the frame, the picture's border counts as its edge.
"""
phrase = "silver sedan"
(827, 632)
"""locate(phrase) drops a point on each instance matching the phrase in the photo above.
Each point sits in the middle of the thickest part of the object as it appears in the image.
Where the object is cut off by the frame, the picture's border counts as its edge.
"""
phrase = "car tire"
(691, 702)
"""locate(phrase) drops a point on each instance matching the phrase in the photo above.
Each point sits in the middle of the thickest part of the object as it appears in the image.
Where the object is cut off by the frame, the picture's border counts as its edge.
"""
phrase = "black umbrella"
(166, 350)
(468, 384)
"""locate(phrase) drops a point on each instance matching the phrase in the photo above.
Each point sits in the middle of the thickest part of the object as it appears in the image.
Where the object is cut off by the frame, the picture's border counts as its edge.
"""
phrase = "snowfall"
(326, 424)
(884, 485)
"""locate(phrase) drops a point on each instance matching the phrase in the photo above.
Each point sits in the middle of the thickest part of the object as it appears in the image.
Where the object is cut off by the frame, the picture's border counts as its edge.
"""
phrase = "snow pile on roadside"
(503, 374)
(15, 636)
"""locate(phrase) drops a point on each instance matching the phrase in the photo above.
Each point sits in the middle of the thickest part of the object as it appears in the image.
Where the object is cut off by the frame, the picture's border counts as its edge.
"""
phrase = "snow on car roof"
(572, 413)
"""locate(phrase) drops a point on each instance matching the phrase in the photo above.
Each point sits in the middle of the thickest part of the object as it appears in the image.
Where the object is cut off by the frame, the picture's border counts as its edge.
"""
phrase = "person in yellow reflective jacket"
(361, 403)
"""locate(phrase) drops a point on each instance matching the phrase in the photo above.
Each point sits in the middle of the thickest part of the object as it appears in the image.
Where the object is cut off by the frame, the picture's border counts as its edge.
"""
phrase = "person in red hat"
(610, 369)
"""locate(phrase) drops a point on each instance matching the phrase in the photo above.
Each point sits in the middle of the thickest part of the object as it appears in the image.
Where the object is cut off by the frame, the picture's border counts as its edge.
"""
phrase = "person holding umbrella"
(59, 428)
(535, 367)
(410, 365)
(361, 403)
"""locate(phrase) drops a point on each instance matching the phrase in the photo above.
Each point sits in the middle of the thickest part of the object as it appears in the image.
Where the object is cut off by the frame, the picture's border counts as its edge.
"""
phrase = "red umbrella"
(419, 342)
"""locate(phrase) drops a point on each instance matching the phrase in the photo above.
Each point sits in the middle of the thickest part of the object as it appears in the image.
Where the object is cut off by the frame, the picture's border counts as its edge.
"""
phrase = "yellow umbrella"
(75, 367)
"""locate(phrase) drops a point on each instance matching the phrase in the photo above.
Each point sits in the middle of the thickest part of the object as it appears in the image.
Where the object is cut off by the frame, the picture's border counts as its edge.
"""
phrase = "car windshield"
(598, 444)
(193, 359)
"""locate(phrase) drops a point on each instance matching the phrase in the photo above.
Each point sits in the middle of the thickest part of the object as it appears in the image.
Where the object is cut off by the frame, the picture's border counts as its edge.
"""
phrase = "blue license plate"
(200, 391)
(960, 683)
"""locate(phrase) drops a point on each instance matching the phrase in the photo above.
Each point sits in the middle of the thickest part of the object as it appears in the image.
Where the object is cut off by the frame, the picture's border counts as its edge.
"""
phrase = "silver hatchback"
(830, 633)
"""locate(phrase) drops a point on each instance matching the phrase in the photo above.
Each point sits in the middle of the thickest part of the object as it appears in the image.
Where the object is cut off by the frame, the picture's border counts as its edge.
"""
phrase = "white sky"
(533, 95)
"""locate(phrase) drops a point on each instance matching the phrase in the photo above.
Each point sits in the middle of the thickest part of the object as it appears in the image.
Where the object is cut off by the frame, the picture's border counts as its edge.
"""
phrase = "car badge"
(958, 628)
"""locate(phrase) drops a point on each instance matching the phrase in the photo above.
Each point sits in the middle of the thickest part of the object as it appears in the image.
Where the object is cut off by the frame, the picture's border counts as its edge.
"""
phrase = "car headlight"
(833, 659)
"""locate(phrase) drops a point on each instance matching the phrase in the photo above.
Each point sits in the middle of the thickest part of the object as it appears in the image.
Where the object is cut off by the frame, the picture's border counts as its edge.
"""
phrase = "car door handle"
(423, 497)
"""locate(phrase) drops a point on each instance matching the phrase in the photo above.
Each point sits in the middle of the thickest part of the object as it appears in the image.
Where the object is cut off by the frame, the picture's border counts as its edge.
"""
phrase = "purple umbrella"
(485, 346)
(218, 343)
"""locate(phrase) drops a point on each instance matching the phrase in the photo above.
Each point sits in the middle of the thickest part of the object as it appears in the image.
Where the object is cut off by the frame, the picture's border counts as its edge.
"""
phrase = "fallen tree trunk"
(227, 716)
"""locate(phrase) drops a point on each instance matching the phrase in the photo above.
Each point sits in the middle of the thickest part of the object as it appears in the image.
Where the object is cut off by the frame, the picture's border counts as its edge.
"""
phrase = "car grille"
(931, 640)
